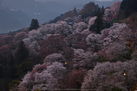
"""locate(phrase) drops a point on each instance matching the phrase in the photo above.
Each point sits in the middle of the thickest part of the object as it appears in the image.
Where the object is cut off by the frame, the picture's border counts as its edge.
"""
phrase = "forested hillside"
(92, 49)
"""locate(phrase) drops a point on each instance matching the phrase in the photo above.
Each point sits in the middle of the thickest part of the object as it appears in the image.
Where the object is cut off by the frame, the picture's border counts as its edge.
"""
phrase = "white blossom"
(44, 81)
(35, 35)
(35, 45)
(107, 76)
(113, 9)
(116, 51)
(80, 26)
(84, 59)
(55, 57)
(93, 40)
(57, 70)
(92, 20)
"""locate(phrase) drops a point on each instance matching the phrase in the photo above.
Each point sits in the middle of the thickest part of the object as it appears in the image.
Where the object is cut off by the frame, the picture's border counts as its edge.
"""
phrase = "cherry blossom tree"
(55, 57)
(34, 39)
(116, 33)
(93, 41)
(80, 27)
(37, 68)
(47, 29)
(86, 31)
(112, 11)
(35, 35)
(57, 69)
(92, 21)
(73, 79)
(26, 83)
(111, 76)
(5, 39)
(76, 41)
(34, 45)
(104, 33)
(19, 37)
(43, 77)
(61, 27)
(115, 7)
(83, 59)
(68, 53)
(44, 81)
(117, 51)
(53, 44)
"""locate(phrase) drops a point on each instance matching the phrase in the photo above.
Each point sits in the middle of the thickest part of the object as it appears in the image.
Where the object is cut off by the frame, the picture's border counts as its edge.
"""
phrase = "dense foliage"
(34, 24)
(129, 5)
(96, 53)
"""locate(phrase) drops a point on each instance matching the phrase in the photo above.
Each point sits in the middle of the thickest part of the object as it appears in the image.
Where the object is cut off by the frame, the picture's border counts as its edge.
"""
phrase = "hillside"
(77, 15)
(96, 52)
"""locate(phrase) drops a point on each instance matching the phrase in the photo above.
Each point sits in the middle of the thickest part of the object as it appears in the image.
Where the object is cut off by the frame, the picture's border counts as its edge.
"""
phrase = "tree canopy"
(129, 5)
(34, 24)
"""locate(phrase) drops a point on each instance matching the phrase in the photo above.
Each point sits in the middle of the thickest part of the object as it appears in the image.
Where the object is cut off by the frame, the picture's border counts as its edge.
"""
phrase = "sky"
(64, 1)
(77, 1)
(0, 2)
(73, 0)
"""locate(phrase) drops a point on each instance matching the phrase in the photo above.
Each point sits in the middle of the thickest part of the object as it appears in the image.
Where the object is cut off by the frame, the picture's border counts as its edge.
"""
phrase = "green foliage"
(24, 67)
(21, 53)
(116, 89)
(14, 83)
(114, 21)
(128, 55)
(4, 84)
(34, 24)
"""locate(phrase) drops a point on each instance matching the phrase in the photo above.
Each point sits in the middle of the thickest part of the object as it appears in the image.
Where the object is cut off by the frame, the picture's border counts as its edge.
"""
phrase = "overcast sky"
(63, 1)
(80, 1)
(74, 0)
(70, 1)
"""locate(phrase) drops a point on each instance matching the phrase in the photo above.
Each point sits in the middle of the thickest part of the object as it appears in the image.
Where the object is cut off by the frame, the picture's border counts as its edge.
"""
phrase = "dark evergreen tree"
(75, 10)
(98, 25)
(12, 68)
(127, 8)
(34, 24)
(23, 68)
(103, 10)
(21, 53)
(129, 5)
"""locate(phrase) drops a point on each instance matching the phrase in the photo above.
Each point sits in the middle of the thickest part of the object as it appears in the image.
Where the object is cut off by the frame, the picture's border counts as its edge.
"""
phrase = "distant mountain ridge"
(43, 11)
(12, 19)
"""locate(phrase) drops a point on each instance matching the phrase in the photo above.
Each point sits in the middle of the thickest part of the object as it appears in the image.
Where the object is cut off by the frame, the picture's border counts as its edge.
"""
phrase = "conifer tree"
(129, 5)
(21, 53)
(34, 24)
(98, 25)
